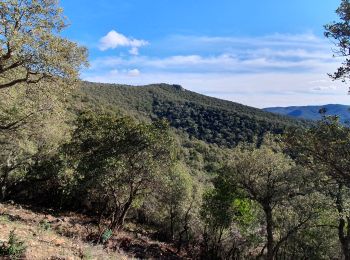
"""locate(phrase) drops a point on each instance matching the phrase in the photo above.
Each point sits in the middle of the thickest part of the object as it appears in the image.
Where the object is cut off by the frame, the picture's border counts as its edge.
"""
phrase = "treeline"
(215, 125)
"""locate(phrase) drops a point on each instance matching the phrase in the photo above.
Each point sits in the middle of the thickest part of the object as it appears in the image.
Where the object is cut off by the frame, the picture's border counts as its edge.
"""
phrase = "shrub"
(14, 248)
(45, 225)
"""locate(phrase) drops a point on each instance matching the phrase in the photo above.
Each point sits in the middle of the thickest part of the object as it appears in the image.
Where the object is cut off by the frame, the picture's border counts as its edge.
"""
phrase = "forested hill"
(206, 118)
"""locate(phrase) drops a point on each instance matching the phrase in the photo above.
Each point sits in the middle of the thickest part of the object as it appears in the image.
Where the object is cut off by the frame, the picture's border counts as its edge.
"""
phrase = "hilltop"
(212, 120)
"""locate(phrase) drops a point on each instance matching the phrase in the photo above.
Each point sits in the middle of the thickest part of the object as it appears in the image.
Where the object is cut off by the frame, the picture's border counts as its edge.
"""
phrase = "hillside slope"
(46, 236)
(205, 118)
(312, 112)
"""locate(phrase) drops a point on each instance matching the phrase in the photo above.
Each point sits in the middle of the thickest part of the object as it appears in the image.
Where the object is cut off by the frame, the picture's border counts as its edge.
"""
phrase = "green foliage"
(339, 33)
(14, 248)
(324, 149)
(38, 69)
(119, 160)
(45, 225)
(30, 46)
(218, 209)
(244, 208)
(225, 213)
(176, 204)
(38, 128)
(258, 186)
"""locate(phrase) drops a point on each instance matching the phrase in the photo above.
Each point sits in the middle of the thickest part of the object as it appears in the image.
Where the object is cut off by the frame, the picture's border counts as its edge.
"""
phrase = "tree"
(340, 33)
(325, 149)
(37, 68)
(175, 205)
(31, 49)
(119, 160)
(36, 127)
(270, 179)
(222, 211)
(324, 146)
(175, 197)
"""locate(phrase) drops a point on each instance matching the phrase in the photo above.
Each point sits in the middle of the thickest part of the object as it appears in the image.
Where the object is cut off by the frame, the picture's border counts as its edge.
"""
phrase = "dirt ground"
(49, 235)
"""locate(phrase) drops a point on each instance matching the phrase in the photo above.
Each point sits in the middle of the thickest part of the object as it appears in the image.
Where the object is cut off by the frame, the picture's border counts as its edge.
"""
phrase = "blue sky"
(259, 53)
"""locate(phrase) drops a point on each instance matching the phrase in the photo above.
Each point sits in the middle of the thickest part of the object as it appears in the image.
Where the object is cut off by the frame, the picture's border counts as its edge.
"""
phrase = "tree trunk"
(269, 231)
(172, 223)
(3, 185)
(118, 222)
(346, 249)
(344, 238)
(3, 193)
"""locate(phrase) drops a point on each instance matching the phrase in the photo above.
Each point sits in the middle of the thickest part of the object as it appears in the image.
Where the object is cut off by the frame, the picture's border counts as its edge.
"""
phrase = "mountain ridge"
(206, 118)
(312, 112)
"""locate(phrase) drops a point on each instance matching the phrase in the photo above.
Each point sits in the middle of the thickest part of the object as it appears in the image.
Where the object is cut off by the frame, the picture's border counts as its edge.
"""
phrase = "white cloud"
(224, 63)
(116, 74)
(114, 40)
(134, 73)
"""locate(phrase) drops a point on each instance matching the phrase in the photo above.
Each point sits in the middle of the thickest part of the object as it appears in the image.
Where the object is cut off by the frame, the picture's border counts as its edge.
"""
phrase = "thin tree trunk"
(4, 185)
(118, 222)
(344, 239)
(172, 223)
(345, 248)
(269, 231)
(124, 212)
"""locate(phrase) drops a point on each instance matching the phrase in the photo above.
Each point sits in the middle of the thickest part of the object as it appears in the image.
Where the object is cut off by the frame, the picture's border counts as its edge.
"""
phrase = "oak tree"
(31, 48)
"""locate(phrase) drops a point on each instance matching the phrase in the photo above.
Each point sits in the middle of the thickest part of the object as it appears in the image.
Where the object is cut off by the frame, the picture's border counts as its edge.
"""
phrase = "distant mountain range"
(312, 112)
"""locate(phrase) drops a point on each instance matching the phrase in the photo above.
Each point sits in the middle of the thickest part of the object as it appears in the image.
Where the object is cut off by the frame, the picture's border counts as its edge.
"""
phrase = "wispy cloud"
(114, 40)
(235, 55)
(243, 44)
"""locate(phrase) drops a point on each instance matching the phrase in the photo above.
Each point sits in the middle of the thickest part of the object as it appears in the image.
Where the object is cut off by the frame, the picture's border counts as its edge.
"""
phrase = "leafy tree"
(175, 197)
(35, 128)
(222, 207)
(324, 149)
(269, 178)
(119, 161)
(37, 69)
(31, 49)
(340, 33)
(174, 209)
